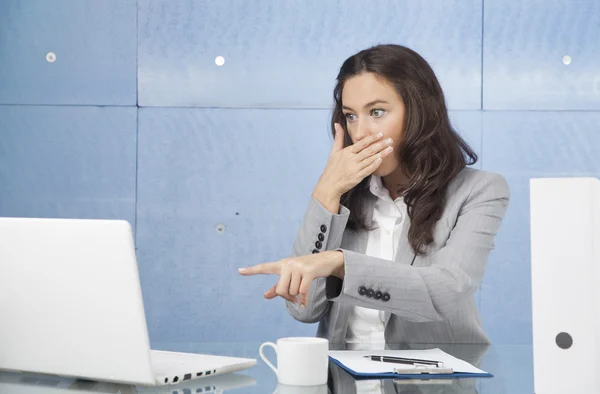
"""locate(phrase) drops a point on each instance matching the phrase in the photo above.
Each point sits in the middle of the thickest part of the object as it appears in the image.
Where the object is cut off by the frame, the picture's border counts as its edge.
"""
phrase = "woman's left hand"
(297, 273)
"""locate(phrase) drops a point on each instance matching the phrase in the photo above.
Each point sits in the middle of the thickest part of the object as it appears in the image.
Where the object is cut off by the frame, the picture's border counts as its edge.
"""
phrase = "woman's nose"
(363, 130)
(364, 133)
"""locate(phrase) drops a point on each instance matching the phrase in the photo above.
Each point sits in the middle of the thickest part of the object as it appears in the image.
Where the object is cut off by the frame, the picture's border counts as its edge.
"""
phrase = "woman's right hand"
(347, 167)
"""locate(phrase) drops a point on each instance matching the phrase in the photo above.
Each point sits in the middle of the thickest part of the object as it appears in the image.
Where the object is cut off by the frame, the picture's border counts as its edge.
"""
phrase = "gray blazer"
(428, 298)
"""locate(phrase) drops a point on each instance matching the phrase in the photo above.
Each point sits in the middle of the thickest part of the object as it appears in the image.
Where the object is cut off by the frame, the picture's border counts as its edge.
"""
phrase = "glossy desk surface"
(512, 367)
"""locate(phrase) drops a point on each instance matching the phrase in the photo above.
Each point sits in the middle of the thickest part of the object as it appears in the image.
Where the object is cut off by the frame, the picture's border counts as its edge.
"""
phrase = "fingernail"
(242, 270)
(379, 135)
(388, 141)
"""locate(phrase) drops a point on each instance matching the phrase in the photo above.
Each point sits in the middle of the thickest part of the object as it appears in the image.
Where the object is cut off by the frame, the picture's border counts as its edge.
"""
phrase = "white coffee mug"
(301, 361)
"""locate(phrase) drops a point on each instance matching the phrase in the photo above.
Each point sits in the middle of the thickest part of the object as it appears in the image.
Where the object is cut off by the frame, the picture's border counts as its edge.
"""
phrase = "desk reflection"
(261, 380)
(16, 383)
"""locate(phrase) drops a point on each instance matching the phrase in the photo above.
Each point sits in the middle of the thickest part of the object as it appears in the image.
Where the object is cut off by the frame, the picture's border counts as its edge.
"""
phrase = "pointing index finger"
(264, 268)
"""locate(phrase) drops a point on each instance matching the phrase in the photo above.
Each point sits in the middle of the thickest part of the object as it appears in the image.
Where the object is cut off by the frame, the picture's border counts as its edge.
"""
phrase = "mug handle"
(264, 358)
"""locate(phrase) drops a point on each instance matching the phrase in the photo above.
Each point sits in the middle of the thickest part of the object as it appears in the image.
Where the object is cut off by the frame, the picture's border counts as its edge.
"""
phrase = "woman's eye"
(377, 112)
(350, 117)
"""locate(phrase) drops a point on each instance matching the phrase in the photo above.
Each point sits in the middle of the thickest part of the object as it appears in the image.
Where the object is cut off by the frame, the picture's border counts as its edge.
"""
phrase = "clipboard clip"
(424, 369)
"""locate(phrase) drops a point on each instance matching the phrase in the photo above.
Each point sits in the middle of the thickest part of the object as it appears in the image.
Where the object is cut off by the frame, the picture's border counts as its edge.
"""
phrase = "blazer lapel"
(404, 253)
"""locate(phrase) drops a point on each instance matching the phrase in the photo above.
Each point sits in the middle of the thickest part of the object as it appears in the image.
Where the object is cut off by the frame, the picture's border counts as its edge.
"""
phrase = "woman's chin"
(386, 168)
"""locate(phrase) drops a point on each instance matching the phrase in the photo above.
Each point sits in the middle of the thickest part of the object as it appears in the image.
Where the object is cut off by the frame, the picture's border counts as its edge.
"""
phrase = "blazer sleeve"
(318, 223)
(422, 294)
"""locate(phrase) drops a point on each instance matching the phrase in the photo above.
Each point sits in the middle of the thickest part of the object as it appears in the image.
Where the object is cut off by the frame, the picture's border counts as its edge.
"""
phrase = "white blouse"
(367, 325)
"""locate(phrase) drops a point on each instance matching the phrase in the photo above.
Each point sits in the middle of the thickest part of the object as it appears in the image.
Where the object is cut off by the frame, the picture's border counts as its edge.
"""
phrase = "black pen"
(402, 360)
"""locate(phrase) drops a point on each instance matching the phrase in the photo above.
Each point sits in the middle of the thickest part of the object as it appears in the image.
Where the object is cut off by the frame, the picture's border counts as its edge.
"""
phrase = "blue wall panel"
(251, 171)
(95, 46)
(523, 145)
(524, 46)
(68, 162)
(287, 53)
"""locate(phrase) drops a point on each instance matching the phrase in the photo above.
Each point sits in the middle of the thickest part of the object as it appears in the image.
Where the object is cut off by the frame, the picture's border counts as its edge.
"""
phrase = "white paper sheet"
(355, 360)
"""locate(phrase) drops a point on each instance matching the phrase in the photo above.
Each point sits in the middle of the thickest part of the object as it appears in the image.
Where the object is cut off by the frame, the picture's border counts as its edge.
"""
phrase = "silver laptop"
(71, 305)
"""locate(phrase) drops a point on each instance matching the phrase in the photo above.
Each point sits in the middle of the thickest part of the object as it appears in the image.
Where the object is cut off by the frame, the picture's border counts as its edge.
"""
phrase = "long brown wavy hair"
(431, 152)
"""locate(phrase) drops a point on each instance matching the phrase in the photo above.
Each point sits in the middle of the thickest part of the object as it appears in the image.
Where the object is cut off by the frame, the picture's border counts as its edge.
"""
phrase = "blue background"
(213, 166)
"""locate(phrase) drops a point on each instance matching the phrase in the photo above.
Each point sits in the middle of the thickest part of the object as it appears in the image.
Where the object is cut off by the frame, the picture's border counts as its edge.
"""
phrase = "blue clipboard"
(424, 374)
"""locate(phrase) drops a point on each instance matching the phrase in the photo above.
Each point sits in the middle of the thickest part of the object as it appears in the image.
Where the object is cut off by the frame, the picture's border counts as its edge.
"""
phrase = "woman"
(398, 231)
